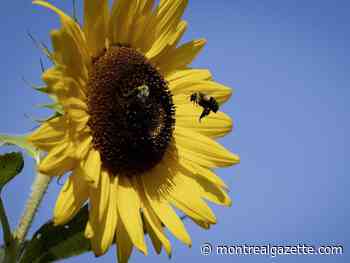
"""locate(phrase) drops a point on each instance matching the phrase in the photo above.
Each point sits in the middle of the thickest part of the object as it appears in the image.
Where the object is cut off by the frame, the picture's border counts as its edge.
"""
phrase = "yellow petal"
(202, 150)
(105, 197)
(139, 36)
(100, 196)
(196, 209)
(146, 6)
(89, 232)
(129, 212)
(96, 15)
(163, 210)
(211, 186)
(71, 198)
(68, 22)
(96, 226)
(181, 77)
(212, 192)
(62, 85)
(68, 43)
(154, 239)
(202, 224)
(167, 25)
(165, 44)
(214, 125)
(112, 214)
(76, 109)
(204, 173)
(178, 34)
(145, 33)
(123, 16)
(181, 57)
(81, 125)
(103, 215)
(49, 134)
(83, 147)
(66, 54)
(158, 47)
(58, 161)
(183, 91)
(124, 243)
(186, 195)
(92, 167)
(169, 14)
(153, 225)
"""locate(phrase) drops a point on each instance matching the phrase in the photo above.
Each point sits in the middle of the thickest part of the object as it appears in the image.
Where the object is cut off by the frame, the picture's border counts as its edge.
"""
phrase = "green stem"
(39, 188)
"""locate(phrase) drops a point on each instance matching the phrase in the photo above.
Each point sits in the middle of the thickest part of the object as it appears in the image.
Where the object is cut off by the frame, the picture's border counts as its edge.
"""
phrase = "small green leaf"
(55, 115)
(41, 46)
(20, 141)
(11, 164)
(43, 89)
(53, 106)
(52, 243)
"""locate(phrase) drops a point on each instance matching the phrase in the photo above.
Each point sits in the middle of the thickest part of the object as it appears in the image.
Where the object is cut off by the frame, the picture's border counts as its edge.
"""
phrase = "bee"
(143, 93)
(140, 92)
(206, 102)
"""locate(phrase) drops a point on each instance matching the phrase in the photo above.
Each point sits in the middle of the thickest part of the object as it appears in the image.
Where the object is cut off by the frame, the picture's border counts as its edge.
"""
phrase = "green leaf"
(52, 243)
(11, 164)
(2, 253)
(20, 141)
(43, 89)
(41, 46)
(53, 106)
(55, 115)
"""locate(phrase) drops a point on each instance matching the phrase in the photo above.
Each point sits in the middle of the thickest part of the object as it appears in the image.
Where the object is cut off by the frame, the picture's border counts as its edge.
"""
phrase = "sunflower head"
(131, 111)
(129, 136)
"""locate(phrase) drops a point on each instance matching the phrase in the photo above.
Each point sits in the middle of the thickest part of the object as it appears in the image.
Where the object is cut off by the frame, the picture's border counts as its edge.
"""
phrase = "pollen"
(132, 115)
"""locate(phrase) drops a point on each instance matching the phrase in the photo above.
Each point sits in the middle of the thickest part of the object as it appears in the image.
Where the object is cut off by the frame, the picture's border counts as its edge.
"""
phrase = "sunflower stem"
(39, 187)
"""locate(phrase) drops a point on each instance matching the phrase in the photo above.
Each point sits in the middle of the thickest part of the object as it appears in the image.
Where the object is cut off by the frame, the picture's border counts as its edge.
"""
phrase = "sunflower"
(129, 136)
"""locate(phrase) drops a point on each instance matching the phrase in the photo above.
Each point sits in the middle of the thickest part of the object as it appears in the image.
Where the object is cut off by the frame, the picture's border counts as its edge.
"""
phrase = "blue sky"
(288, 63)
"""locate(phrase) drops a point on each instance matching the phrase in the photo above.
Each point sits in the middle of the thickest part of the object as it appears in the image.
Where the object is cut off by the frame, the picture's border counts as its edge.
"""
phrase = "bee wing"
(205, 112)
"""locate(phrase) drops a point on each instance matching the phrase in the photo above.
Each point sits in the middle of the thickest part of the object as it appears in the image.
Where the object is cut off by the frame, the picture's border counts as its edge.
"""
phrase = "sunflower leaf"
(40, 45)
(20, 141)
(53, 106)
(55, 115)
(11, 164)
(52, 243)
(2, 254)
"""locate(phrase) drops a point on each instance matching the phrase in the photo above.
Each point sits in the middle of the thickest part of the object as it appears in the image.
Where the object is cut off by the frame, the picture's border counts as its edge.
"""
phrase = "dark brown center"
(131, 111)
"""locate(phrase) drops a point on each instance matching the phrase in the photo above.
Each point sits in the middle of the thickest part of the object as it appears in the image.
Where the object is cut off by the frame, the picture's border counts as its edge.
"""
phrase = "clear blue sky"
(288, 63)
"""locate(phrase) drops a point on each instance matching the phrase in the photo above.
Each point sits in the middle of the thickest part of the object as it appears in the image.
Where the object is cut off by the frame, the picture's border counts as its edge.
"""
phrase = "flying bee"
(206, 102)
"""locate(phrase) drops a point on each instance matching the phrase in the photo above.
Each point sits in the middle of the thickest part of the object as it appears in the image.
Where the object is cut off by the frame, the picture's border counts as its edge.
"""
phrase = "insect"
(140, 92)
(206, 102)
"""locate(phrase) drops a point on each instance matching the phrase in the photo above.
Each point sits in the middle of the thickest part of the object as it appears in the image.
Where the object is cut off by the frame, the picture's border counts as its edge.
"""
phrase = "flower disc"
(131, 109)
